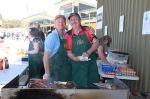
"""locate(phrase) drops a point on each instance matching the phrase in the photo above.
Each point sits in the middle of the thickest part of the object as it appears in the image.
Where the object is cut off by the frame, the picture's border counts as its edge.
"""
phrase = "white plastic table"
(113, 76)
(119, 77)
(15, 69)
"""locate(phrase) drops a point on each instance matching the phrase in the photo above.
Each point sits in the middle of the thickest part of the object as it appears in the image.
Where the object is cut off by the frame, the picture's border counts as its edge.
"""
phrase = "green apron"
(36, 67)
(84, 73)
(60, 66)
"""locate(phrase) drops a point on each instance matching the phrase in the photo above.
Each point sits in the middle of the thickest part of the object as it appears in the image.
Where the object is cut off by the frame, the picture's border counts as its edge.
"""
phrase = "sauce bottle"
(1, 64)
(6, 64)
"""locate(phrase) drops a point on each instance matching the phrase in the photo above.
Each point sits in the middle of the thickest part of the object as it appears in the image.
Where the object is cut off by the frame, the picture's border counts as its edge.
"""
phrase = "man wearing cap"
(81, 46)
(56, 64)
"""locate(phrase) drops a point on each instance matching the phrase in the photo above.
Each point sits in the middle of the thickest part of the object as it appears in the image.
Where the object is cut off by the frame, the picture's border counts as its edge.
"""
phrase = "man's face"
(60, 24)
(75, 22)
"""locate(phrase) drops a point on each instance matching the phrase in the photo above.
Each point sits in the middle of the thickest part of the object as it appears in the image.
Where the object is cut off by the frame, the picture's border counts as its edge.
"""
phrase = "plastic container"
(107, 68)
(115, 57)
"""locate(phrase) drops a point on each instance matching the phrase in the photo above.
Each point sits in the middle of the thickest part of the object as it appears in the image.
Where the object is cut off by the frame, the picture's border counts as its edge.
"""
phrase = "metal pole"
(89, 20)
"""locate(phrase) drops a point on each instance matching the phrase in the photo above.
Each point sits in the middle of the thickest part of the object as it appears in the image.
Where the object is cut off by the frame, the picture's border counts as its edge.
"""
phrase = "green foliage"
(11, 23)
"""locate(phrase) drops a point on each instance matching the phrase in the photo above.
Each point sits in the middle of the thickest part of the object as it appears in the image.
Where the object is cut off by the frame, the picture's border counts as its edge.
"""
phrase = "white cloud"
(19, 9)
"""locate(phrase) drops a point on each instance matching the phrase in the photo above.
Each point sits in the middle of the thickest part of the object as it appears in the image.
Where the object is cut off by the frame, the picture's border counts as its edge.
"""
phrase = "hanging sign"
(99, 18)
(146, 23)
(121, 23)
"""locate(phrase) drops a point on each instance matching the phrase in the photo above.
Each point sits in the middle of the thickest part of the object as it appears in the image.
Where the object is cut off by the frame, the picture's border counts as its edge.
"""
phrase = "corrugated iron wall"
(131, 40)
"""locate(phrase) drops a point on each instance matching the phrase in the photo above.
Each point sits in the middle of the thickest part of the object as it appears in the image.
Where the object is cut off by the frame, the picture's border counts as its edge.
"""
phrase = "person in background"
(81, 49)
(52, 28)
(57, 66)
(105, 42)
(37, 25)
(35, 54)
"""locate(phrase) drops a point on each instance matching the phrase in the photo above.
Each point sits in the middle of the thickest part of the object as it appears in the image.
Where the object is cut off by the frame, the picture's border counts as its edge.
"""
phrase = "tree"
(11, 23)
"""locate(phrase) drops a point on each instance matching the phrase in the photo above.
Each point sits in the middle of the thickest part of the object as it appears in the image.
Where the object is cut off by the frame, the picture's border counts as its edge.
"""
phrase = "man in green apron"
(82, 43)
(56, 61)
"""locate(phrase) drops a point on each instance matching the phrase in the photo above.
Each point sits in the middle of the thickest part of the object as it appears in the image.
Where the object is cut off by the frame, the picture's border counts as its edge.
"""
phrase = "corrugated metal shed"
(131, 40)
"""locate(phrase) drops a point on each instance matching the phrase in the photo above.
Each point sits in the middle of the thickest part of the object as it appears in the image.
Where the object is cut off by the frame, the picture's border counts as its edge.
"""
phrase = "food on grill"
(40, 83)
(64, 85)
(60, 86)
(70, 84)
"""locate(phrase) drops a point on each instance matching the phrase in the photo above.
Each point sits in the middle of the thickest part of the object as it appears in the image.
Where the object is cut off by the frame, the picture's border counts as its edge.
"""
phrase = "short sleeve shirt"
(83, 29)
(52, 43)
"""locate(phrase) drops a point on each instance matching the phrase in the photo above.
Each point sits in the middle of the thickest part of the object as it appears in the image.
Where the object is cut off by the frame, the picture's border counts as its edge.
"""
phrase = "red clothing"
(69, 35)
